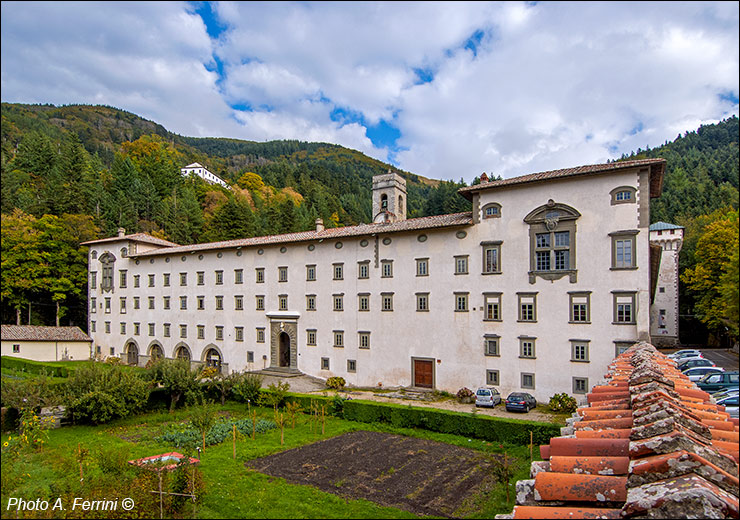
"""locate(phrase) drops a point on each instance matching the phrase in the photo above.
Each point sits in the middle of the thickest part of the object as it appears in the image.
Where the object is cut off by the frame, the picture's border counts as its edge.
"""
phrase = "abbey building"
(537, 288)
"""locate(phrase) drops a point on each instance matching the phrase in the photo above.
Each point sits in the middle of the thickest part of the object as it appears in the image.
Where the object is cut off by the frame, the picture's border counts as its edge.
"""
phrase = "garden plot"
(421, 476)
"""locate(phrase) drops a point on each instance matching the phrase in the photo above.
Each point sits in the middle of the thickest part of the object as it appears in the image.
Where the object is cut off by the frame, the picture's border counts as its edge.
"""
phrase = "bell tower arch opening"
(389, 197)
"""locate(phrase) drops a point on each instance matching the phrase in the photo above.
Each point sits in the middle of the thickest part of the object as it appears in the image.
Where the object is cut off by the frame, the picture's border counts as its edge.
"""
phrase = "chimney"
(483, 177)
(121, 232)
(319, 224)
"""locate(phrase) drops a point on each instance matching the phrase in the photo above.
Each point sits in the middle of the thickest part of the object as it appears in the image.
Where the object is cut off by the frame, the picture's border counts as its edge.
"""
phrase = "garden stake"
(254, 423)
(234, 425)
(530, 446)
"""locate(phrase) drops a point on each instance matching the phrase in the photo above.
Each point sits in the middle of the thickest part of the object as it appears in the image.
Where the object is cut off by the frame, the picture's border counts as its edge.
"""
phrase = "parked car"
(731, 390)
(695, 362)
(487, 397)
(696, 373)
(714, 382)
(520, 401)
(685, 353)
(731, 403)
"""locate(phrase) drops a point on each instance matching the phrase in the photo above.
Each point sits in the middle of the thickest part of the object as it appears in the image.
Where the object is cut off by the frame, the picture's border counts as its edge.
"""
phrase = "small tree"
(203, 417)
(247, 387)
(223, 385)
(176, 378)
(291, 409)
(275, 397)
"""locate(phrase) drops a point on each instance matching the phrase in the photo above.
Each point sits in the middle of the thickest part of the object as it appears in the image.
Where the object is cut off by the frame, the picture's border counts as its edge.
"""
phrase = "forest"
(79, 172)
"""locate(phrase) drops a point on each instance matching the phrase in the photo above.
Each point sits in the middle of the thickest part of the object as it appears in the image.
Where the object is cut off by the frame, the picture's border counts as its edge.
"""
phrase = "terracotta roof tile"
(41, 333)
(135, 237)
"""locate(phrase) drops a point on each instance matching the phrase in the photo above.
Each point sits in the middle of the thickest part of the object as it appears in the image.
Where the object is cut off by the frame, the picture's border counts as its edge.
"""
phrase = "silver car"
(731, 403)
(487, 397)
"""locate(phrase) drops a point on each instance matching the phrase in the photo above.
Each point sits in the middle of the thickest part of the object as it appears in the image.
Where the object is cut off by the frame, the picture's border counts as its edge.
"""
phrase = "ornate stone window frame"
(618, 195)
(552, 218)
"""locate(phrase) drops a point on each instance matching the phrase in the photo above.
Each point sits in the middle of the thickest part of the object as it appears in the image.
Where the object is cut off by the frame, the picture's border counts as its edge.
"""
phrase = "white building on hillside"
(202, 172)
(664, 308)
(536, 289)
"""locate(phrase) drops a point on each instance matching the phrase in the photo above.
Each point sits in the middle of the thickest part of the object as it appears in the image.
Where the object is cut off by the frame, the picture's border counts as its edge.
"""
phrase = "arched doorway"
(132, 354)
(213, 359)
(156, 352)
(182, 353)
(284, 350)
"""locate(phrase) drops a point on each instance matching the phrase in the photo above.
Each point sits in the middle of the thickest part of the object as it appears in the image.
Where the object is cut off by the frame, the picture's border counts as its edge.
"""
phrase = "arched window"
(108, 261)
(384, 201)
(213, 359)
(182, 352)
(552, 241)
(492, 210)
(623, 195)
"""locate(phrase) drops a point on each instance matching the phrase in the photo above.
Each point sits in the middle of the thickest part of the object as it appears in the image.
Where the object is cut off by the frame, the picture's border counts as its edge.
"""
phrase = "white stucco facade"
(202, 172)
(664, 310)
(538, 294)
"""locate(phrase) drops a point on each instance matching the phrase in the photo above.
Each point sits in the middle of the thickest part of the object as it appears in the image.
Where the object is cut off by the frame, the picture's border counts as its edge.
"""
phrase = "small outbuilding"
(40, 343)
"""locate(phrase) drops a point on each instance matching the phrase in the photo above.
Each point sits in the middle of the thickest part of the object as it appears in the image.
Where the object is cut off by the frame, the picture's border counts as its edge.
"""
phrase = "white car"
(731, 404)
(696, 373)
(686, 353)
(733, 390)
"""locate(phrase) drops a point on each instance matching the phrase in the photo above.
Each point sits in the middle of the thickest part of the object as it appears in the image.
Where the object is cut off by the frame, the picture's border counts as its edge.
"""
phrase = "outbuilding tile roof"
(41, 333)
(650, 444)
(662, 226)
(136, 237)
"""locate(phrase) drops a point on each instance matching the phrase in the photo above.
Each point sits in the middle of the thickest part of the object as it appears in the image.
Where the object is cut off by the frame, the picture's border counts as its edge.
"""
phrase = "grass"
(232, 490)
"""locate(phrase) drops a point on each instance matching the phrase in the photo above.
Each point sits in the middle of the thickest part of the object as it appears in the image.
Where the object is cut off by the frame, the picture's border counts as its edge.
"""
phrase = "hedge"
(493, 429)
(33, 367)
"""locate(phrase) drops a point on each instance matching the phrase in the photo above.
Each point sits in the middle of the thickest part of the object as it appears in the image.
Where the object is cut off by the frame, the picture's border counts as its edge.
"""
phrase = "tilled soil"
(417, 475)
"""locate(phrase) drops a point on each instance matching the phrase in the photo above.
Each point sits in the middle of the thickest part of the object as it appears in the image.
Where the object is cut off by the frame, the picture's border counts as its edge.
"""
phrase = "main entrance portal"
(284, 350)
(284, 341)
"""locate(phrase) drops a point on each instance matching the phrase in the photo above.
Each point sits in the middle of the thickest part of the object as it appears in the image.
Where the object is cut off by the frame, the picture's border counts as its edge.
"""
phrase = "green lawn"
(231, 490)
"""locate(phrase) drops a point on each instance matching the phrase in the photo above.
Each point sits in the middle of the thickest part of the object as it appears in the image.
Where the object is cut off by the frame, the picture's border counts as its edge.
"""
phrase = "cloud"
(445, 90)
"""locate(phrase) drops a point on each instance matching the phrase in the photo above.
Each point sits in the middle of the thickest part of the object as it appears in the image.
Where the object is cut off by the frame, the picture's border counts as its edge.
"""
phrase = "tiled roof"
(656, 175)
(39, 333)
(136, 237)
(662, 226)
(414, 224)
(649, 444)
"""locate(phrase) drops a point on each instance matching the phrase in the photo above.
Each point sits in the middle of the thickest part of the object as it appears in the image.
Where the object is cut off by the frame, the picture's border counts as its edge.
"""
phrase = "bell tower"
(389, 198)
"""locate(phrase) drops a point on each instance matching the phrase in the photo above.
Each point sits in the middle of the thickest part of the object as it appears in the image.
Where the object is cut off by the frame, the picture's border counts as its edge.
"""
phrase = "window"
(527, 306)
(661, 318)
(219, 303)
(386, 268)
(283, 302)
(339, 338)
(526, 347)
(219, 332)
(324, 363)
(107, 328)
(579, 350)
(422, 302)
(528, 381)
(492, 307)
(137, 329)
(259, 274)
(107, 259)
(552, 241)
(93, 304)
(166, 303)
(166, 279)
(338, 302)
(122, 305)
(363, 269)
(282, 274)
(310, 302)
(623, 195)
(238, 333)
(151, 302)
(201, 331)
(260, 335)
(623, 249)
(351, 365)
(387, 299)
(580, 385)
(166, 330)
(624, 308)
(151, 280)
(238, 302)
(107, 305)
(311, 337)
(461, 264)
(580, 307)
(310, 273)
(137, 282)
(16, 349)
(183, 303)
(94, 279)
(136, 303)
(238, 276)
(661, 289)
(260, 302)
(492, 377)
(219, 277)
(338, 271)
(201, 303)
(250, 356)
(364, 339)
(123, 328)
(422, 267)
(492, 210)
(92, 326)
(122, 278)
(621, 346)
(363, 302)
(491, 345)
(461, 302)
(112, 351)
(491, 257)
(200, 277)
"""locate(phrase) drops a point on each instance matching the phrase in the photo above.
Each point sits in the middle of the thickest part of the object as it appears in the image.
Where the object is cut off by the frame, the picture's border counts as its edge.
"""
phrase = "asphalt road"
(722, 358)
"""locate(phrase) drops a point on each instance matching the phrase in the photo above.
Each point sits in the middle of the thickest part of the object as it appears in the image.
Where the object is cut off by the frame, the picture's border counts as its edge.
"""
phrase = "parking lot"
(722, 358)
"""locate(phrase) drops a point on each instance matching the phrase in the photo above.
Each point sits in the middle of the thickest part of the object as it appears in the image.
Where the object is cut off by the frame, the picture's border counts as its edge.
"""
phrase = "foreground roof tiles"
(649, 444)
(39, 333)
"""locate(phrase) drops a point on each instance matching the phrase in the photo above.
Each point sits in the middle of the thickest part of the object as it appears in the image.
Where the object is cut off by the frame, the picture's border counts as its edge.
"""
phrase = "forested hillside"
(78, 172)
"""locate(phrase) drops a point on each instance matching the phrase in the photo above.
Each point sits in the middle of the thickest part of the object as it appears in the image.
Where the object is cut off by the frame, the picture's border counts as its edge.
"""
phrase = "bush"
(563, 403)
(178, 380)
(336, 383)
(33, 367)
(275, 394)
(247, 387)
(465, 395)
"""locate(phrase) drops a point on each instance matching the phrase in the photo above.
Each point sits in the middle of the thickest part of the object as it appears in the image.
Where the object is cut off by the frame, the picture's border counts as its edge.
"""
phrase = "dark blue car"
(520, 402)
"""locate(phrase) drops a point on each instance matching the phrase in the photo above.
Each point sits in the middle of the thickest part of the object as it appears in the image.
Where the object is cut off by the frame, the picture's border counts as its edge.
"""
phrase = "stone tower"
(664, 308)
(389, 198)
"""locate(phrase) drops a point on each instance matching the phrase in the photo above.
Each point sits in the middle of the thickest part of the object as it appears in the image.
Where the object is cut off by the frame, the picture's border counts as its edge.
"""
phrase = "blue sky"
(444, 90)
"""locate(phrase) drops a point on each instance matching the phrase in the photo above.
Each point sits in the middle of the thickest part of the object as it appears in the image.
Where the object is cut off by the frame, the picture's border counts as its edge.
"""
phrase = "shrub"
(465, 394)
(112, 461)
(177, 378)
(336, 383)
(275, 395)
(336, 408)
(247, 387)
(563, 403)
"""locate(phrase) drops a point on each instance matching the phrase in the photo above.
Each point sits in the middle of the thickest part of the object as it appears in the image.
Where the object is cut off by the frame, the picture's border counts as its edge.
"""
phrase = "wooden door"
(423, 373)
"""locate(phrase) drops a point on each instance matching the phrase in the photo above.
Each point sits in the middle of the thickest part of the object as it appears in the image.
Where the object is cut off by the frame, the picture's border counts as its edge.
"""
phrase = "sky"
(443, 90)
